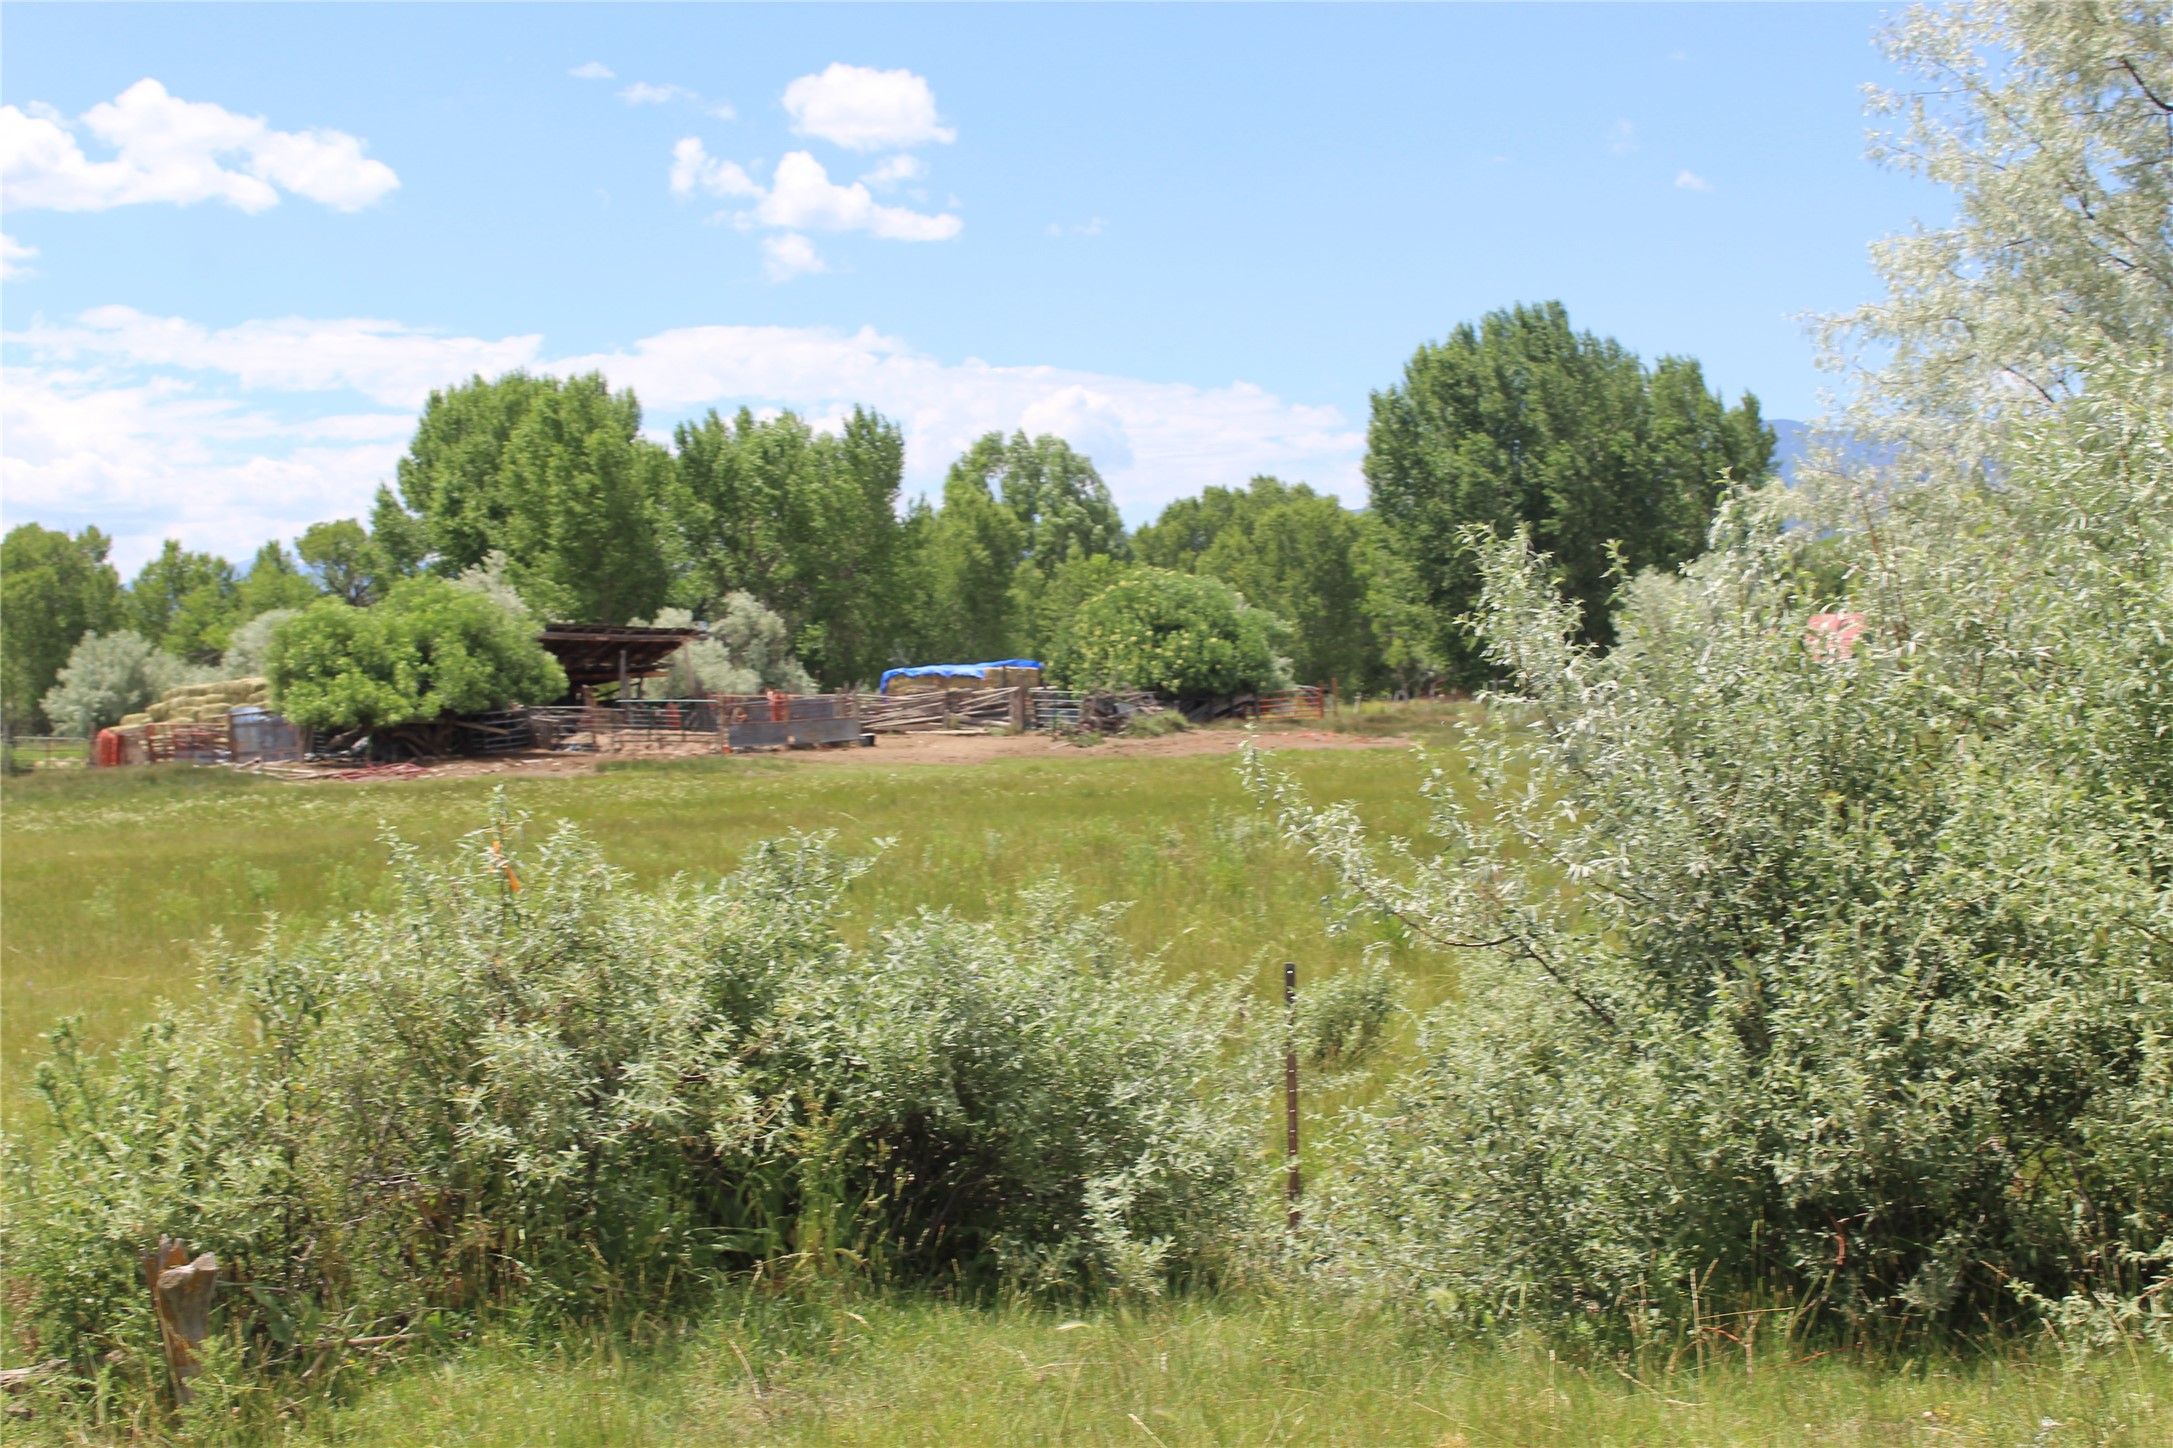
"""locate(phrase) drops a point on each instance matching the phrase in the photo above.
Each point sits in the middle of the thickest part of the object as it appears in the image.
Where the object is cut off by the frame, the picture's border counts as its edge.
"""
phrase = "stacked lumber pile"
(202, 703)
(980, 711)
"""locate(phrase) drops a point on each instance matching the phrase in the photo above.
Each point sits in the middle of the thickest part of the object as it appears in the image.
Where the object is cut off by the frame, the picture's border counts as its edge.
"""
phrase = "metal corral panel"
(760, 734)
(825, 731)
(789, 733)
(262, 737)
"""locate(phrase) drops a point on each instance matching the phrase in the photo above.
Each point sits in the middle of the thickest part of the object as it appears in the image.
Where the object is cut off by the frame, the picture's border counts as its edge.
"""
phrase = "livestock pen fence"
(729, 722)
(252, 736)
(1016, 710)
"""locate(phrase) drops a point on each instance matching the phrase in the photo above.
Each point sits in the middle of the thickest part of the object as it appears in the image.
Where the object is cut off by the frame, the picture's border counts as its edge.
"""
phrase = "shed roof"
(606, 653)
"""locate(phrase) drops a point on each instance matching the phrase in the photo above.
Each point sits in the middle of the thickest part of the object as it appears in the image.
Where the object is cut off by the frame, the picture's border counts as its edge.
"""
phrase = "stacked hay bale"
(202, 703)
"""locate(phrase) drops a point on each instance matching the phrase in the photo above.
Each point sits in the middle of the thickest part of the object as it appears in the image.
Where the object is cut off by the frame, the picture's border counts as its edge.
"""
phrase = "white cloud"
(866, 110)
(593, 70)
(641, 93)
(148, 425)
(14, 259)
(694, 169)
(803, 197)
(896, 171)
(1691, 181)
(171, 150)
(722, 110)
(1622, 138)
(157, 459)
(1090, 421)
(790, 255)
(384, 361)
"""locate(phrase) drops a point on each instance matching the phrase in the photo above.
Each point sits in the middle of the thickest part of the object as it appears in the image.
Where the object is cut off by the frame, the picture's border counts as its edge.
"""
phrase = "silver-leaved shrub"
(1818, 940)
(1813, 971)
(530, 1085)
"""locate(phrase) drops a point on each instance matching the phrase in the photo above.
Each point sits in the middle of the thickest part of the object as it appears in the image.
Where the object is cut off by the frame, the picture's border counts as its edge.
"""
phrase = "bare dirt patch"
(890, 749)
(981, 748)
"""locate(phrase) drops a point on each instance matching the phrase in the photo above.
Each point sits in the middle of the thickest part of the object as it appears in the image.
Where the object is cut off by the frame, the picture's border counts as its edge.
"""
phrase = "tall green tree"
(1523, 422)
(973, 551)
(1016, 513)
(275, 580)
(555, 473)
(1048, 605)
(805, 521)
(344, 560)
(183, 601)
(54, 589)
(1287, 549)
(1054, 492)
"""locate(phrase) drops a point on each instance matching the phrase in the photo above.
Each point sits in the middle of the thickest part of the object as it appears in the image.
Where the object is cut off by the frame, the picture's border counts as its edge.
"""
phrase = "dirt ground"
(895, 749)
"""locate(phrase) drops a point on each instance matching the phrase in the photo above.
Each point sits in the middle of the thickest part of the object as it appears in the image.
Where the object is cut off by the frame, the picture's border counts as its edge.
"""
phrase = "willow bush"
(530, 1085)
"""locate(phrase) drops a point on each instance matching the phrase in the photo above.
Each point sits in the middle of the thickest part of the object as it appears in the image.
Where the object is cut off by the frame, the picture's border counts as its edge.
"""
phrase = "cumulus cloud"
(641, 93)
(1622, 138)
(1090, 421)
(896, 171)
(593, 70)
(148, 425)
(790, 255)
(694, 169)
(866, 110)
(171, 150)
(384, 361)
(14, 259)
(154, 459)
(1691, 181)
(802, 196)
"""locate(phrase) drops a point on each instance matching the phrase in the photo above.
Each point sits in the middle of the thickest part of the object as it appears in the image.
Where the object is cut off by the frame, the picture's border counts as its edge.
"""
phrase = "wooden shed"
(596, 654)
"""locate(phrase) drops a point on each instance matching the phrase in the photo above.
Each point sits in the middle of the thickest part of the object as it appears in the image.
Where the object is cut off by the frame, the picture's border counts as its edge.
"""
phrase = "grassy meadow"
(109, 882)
(112, 879)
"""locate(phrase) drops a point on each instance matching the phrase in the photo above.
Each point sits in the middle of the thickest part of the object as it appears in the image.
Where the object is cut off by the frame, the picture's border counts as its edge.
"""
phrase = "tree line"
(549, 486)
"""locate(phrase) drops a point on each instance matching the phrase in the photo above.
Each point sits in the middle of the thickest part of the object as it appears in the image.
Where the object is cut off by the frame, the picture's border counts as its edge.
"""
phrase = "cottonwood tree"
(553, 472)
(54, 589)
(344, 560)
(1287, 549)
(969, 556)
(805, 521)
(1055, 493)
(180, 599)
(1522, 422)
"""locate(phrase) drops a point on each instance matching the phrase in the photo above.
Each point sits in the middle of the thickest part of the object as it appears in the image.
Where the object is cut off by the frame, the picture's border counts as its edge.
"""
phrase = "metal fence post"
(1293, 1186)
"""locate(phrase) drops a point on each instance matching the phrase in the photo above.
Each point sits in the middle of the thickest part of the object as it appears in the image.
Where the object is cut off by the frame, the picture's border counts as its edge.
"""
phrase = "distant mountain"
(1790, 439)
(1792, 443)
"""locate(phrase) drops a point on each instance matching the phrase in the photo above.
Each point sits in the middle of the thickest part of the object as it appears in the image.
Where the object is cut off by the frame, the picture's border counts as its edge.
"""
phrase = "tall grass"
(109, 879)
(825, 1372)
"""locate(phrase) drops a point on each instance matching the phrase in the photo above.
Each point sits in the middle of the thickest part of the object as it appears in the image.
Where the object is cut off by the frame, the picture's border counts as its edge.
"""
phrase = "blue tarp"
(970, 671)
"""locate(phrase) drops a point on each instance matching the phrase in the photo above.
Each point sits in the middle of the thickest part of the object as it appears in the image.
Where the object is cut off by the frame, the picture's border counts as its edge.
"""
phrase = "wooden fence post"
(181, 1296)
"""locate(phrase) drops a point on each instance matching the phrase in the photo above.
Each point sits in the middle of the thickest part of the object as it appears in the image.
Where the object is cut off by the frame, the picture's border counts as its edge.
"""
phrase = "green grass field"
(110, 880)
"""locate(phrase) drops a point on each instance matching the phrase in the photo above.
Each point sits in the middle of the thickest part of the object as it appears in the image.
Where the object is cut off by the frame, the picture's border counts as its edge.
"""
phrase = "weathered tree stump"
(181, 1295)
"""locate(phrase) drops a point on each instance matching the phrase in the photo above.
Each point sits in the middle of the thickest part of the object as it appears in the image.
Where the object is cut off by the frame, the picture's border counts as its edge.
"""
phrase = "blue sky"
(1192, 239)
